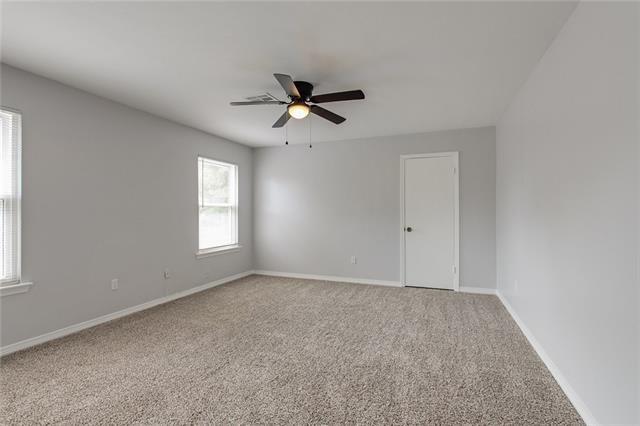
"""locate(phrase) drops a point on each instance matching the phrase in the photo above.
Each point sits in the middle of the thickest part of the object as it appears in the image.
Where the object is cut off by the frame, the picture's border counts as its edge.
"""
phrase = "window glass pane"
(215, 184)
(3, 243)
(216, 227)
(218, 204)
(9, 197)
(3, 195)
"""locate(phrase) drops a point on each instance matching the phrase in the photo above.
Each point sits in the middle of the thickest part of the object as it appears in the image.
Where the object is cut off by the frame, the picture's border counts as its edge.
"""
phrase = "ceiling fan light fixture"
(299, 93)
(298, 110)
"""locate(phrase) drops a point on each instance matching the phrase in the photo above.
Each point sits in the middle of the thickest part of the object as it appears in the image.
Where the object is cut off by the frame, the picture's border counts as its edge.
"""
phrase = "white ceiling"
(422, 66)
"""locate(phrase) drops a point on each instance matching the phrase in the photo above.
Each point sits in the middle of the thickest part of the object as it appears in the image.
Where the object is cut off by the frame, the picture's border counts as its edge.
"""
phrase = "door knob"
(409, 229)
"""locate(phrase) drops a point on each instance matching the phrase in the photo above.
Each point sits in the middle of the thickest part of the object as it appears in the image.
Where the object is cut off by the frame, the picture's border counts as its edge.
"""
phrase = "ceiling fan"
(300, 95)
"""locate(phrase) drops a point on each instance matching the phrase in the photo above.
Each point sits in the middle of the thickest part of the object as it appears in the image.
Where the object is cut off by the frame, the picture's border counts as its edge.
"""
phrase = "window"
(217, 206)
(10, 197)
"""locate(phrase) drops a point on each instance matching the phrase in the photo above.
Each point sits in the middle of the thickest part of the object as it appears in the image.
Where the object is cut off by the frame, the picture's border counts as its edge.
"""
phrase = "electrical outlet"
(114, 284)
(167, 274)
(354, 260)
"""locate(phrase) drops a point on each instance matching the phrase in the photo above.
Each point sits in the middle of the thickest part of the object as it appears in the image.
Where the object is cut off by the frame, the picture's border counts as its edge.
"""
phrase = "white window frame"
(14, 199)
(229, 248)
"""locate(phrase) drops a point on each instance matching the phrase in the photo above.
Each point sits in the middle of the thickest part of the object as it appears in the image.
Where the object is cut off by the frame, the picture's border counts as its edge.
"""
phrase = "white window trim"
(17, 286)
(231, 248)
(11, 289)
(215, 251)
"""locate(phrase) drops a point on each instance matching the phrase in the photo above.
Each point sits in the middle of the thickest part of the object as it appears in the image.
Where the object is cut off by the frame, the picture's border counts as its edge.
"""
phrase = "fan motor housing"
(305, 88)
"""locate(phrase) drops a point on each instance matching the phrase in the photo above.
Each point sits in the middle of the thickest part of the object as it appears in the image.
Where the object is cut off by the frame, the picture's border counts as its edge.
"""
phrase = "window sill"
(218, 250)
(9, 290)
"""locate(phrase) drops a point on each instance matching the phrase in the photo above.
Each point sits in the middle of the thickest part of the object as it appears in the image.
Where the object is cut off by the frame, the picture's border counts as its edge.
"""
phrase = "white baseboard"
(23, 344)
(478, 290)
(575, 399)
(329, 278)
(475, 290)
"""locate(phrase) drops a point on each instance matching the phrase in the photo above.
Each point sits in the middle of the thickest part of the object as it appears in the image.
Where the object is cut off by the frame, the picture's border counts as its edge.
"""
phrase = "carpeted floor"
(278, 350)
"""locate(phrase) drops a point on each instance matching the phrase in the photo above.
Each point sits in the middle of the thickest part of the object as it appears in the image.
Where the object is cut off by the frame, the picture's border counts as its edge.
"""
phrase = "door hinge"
(454, 170)
(455, 269)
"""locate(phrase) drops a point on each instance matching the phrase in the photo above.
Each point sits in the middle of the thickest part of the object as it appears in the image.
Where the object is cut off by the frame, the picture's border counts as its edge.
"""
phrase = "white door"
(431, 221)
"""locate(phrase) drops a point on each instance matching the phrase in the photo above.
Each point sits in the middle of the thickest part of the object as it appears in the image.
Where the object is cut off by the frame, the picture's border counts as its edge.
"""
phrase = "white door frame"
(456, 201)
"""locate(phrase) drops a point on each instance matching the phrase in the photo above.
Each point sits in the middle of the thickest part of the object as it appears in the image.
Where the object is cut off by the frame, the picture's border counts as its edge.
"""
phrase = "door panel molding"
(454, 155)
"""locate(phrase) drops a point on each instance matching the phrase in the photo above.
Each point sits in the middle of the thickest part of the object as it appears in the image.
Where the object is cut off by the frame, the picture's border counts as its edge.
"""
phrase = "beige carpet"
(276, 350)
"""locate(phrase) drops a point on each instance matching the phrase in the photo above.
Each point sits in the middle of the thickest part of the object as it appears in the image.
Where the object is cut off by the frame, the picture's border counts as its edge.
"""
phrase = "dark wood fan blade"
(326, 114)
(256, 103)
(350, 95)
(282, 120)
(288, 85)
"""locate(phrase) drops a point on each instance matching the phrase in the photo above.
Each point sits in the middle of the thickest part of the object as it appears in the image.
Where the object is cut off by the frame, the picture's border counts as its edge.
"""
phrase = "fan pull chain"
(286, 135)
(310, 145)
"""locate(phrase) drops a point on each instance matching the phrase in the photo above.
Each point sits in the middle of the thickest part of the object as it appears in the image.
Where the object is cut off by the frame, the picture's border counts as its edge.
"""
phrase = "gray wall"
(315, 208)
(567, 207)
(109, 192)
